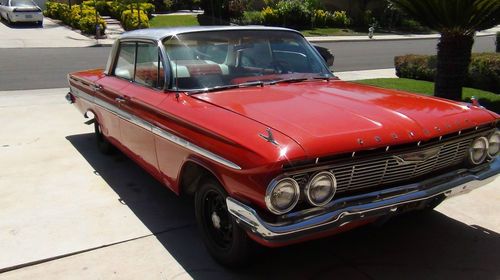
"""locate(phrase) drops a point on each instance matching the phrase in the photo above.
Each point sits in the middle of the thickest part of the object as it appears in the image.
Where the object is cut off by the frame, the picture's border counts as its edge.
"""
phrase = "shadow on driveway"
(413, 246)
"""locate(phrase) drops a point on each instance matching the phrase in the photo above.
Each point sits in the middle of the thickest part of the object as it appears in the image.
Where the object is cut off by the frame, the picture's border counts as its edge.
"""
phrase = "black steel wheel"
(224, 239)
(102, 143)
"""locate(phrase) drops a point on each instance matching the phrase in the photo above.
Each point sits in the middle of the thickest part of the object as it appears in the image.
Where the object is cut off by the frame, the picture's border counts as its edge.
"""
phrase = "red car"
(274, 148)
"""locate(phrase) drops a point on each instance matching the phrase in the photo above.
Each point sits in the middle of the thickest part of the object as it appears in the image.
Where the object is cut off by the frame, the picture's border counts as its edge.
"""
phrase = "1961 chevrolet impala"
(274, 148)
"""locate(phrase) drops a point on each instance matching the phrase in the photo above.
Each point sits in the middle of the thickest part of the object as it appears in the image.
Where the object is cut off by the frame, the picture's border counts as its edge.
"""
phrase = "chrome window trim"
(113, 59)
(155, 129)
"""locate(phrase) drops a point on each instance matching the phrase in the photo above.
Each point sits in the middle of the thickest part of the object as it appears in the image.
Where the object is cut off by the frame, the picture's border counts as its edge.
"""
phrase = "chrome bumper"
(360, 207)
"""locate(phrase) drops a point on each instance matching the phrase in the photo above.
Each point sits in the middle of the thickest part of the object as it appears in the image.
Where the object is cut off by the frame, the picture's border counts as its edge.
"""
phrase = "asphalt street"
(40, 68)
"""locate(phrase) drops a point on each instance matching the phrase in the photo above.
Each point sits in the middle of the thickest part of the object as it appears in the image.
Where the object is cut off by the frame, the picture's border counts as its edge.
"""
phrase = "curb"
(377, 38)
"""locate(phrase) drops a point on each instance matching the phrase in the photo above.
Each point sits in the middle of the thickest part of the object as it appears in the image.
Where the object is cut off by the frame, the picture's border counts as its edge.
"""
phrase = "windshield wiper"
(226, 87)
(291, 80)
(325, 78)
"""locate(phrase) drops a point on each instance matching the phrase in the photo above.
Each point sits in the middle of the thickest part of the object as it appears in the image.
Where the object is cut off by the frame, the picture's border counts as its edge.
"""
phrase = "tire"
(102, 143)
(225, 240)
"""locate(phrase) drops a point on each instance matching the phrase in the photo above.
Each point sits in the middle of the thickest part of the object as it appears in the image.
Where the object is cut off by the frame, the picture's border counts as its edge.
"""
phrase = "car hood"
(335, 117)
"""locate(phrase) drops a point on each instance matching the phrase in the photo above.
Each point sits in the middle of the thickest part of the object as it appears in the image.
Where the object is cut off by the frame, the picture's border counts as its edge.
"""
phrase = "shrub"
(130, 20)
(100, 5)
(483, 72)
(339, 19)
(418, 67)
(80, 17)
(294, 13)
(87, 24)
(236, 9)
(321, 18)
(270, 16)
(148, 8)
(252, 17)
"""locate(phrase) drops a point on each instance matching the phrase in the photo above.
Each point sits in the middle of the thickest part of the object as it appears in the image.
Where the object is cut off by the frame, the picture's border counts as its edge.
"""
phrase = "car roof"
(161, 33)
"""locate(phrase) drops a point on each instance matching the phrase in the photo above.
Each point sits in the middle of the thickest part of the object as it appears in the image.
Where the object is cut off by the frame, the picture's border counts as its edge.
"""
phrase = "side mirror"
(326, 54)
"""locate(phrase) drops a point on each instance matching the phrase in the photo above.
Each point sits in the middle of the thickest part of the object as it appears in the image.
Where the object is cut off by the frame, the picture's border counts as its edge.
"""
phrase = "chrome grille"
(386, 169)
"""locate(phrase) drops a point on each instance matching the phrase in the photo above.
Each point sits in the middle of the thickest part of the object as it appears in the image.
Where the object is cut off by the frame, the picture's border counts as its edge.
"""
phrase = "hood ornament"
(269, 137)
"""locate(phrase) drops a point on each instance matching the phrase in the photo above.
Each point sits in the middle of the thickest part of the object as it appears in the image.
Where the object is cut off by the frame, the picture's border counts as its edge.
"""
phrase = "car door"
(108, 92)
(140, 100)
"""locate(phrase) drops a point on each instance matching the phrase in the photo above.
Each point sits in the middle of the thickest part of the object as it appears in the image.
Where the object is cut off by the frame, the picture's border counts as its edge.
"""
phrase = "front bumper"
(340, 212)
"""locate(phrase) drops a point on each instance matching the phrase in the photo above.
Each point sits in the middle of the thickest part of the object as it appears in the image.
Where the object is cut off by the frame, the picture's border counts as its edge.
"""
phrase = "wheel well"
(191, 175)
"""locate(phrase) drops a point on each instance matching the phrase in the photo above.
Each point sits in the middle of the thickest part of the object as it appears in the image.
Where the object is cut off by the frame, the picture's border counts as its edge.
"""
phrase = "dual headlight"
(484, 147)
(282, 195)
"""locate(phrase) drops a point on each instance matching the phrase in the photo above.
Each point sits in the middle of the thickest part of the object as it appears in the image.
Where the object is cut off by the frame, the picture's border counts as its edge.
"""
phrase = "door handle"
(120, 100)
(96, 87)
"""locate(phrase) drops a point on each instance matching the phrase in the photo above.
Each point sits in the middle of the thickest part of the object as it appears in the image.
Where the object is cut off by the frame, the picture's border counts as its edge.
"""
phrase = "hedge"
(79, 17)
(130, 20)
(483, 73)
(296, 14)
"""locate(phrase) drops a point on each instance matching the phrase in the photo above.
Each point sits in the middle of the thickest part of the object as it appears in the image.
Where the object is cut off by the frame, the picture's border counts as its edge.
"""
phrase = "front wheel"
(226, 241)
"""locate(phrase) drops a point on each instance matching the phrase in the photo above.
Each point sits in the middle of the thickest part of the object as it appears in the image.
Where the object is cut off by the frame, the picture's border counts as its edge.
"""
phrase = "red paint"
(308, 120)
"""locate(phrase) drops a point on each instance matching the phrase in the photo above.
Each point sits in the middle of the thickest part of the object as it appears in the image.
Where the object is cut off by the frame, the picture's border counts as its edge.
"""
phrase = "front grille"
(386, 169)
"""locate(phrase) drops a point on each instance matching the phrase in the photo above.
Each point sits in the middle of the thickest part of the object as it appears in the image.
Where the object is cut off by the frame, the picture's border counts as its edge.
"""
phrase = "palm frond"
(453, 16)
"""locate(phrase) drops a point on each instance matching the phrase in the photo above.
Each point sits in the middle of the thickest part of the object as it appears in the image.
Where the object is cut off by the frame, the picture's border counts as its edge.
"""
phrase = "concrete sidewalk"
(488, 32)
(366, 74)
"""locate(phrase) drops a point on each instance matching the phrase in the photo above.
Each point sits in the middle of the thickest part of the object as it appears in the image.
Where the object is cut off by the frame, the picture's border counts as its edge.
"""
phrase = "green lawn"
(173, 20)
(331, 32)
(486, 98)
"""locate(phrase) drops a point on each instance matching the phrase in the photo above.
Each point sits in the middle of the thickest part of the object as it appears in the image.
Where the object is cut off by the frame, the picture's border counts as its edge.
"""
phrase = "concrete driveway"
(52, 35)
(68, 212)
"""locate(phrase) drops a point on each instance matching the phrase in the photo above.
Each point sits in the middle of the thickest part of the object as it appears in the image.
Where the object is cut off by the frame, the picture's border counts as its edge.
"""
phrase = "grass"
(488, 99)
(332, 32)
(173, 20)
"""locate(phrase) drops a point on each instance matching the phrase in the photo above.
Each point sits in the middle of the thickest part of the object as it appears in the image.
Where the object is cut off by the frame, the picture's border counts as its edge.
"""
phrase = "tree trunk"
(454, 52)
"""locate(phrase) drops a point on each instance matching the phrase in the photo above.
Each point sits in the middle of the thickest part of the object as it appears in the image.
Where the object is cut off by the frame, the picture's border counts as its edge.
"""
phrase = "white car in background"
(21, 11)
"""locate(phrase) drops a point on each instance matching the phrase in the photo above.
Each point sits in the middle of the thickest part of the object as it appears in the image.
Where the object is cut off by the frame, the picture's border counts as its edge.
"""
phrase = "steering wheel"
(281, 66)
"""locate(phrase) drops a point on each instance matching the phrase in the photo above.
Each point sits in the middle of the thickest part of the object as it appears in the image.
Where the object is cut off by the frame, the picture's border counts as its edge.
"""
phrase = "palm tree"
(457, 21)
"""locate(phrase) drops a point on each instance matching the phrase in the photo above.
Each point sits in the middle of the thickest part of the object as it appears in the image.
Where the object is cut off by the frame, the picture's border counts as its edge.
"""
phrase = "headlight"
(282, 195)
(321, 188)
(478, 151)
(494, 144)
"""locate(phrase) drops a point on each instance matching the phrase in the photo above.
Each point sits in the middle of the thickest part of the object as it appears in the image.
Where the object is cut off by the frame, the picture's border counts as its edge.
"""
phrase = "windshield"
(22, 3)
(216, 59)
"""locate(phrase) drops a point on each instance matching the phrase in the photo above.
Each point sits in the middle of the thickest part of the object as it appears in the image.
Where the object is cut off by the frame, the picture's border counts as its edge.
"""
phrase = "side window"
(126, 61)
(149, 68)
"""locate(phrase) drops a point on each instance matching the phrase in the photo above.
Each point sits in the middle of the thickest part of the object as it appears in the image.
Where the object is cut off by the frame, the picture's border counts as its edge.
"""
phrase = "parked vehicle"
(21, 11)
(274, 148)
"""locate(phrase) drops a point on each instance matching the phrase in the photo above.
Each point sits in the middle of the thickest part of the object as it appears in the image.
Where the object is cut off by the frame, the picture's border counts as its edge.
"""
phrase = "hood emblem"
(269, 137)
(417, 157)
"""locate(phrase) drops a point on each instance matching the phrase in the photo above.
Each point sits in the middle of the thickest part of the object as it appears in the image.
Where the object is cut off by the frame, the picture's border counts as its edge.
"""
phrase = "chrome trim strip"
(345, 210)
(155, 130)
(190, 146)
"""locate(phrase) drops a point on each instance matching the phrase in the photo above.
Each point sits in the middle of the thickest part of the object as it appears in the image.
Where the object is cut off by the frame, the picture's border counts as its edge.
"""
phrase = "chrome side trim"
(155, 129)
(356, 208)
(190, 146)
